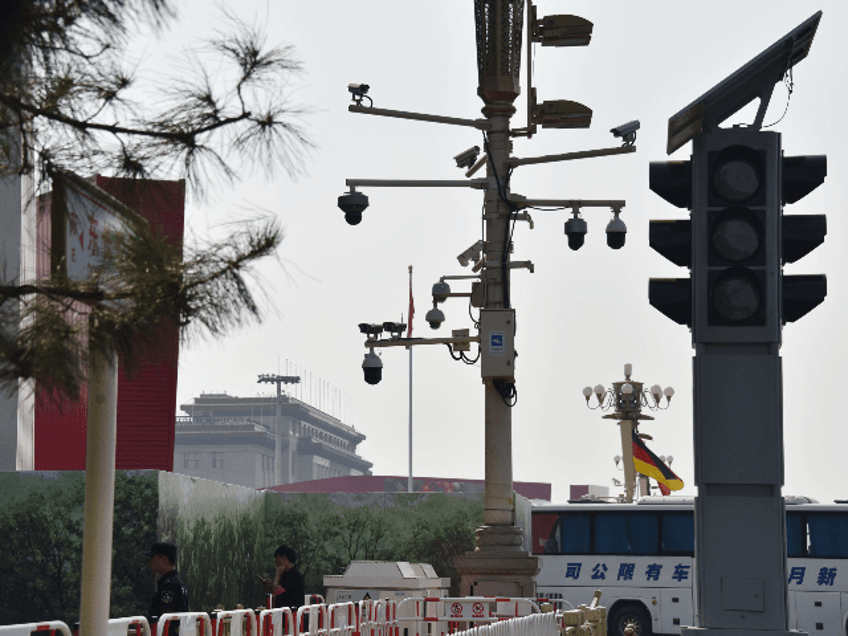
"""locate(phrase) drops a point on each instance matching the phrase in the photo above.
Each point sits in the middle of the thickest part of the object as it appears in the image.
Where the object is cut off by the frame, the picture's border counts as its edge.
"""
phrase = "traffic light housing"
(801, 234)
(672, 181)
(737, 239)
(736, 222)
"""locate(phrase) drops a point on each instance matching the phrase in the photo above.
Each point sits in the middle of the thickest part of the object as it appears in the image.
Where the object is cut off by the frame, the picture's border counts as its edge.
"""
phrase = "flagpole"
(409, 334)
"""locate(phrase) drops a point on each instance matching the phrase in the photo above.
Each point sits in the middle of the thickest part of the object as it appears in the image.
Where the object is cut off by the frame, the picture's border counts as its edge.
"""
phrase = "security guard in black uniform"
(171, 594)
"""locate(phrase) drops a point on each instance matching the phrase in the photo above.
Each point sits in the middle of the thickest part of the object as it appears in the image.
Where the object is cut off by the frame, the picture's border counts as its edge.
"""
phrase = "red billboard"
(147, 389)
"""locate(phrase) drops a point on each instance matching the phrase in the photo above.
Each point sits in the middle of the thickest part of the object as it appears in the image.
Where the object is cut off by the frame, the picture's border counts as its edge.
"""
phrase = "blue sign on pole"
(496, 343)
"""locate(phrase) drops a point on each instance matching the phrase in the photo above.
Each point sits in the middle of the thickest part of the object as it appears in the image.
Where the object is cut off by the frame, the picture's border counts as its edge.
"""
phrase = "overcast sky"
(582, 314)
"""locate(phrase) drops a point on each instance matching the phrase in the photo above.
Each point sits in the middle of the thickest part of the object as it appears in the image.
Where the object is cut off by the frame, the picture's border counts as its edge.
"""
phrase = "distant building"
(234, 440)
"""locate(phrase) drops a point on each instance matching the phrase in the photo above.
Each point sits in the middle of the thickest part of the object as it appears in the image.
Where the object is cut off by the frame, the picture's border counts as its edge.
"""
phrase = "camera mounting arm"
(522, 202)
(479, 184)
(579, 154)
(480, 124)
(411, 342)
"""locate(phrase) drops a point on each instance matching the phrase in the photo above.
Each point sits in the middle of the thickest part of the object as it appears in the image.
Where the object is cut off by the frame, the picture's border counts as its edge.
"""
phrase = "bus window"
(626, 533)
(795, 535)
(678, 533)
(574, 534)
(828, 535)
(543, 533)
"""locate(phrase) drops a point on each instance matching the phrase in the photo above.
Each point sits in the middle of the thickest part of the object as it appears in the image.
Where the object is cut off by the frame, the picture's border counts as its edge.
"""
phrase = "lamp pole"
(627, 398)
(499, 565)
(279, 380)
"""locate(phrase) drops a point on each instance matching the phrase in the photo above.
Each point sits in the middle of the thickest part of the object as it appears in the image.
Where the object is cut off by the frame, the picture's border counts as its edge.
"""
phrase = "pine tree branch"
(86, 126)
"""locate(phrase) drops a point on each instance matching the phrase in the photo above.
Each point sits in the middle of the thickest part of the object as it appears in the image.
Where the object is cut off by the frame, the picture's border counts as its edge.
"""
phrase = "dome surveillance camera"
(435, 317)
(575, 230)
(372, 368)
(440, 291)
(353, 204)
(616, 233)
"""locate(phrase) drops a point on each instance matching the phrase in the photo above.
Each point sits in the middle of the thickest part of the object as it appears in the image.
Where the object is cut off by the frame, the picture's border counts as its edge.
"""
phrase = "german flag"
(649, 464)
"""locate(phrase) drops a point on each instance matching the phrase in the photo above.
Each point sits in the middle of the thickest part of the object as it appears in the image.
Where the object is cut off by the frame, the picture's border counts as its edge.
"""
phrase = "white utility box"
(394, 580)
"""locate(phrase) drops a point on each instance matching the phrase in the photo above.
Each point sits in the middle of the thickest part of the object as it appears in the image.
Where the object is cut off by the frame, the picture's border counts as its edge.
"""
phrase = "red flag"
(411, 312)
(649, 464)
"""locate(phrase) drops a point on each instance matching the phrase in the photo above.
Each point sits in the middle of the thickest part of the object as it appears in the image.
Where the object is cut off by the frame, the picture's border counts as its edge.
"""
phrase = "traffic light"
(736, 221)
(737, 239)
(673, 239)
(801, 234)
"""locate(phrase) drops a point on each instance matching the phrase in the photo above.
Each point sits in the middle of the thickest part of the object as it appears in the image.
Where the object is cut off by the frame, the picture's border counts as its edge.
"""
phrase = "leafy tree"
(431, 528)
(361, 534)
(439, 528)
(133, 530)
(40, 566)
(41, 560)
(69, 104)
(306, 524)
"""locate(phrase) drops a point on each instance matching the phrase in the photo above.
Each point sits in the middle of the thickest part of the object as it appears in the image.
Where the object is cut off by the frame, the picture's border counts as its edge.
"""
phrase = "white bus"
(641, 556)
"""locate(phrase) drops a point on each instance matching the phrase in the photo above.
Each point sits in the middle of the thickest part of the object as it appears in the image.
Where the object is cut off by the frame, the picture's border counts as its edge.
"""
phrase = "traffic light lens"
(736, 296)
(737, 174)
(736, 236)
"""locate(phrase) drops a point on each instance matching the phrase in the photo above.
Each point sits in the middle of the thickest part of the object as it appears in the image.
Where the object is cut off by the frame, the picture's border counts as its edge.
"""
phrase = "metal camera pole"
(498, 565)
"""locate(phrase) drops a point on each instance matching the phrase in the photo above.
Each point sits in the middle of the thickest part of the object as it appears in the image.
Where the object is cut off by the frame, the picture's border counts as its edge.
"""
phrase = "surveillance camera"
(372, 368)
(440, 292)
(616, 233)
(369, 329)
(466, 158)
(353, 204)
(394, 328)
(627, 131)
(471, 254)
(575, 230)
(358, 90)
(435, 317)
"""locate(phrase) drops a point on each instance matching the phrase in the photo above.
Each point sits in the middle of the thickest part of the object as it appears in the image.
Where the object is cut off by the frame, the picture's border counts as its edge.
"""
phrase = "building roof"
(394, 483)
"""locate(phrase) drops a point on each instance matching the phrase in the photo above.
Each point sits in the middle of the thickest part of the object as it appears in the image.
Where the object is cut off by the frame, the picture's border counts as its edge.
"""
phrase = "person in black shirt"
(288, 588)
(171, 594)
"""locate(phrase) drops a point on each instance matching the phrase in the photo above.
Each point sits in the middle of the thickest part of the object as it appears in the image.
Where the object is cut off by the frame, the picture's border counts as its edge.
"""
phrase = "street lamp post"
(628, 397)
(499, 565)
(279, 380)
(499, 540)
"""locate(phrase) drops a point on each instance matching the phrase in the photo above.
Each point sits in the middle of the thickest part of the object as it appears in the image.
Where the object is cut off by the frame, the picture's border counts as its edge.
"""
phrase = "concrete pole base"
(498, 566)
(498, 538)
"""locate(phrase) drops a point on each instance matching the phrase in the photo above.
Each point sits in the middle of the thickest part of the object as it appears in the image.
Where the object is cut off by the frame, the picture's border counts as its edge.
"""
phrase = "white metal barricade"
(533, 625)
(434, 616)
(385, 618)
(312, 620)
(188, 623)
(378, 618)
(122, 626)
(276, 622)
(25, 629)
(242, 622)
(344, 619)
